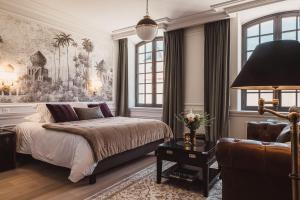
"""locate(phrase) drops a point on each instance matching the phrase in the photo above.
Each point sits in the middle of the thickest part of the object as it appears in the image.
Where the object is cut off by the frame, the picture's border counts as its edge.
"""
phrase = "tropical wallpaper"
(39, 63)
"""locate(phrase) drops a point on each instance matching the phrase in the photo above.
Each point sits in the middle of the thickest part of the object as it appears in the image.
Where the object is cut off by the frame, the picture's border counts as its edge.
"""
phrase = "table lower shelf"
(190, 175)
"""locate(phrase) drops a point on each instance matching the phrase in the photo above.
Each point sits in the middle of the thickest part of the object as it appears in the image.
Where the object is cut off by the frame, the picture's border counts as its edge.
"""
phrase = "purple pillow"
(104, 109)
(62, 112)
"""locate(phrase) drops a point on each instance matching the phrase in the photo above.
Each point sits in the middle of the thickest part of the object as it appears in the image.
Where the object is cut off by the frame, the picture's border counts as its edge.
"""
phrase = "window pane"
(266, 27)
(141, 88)
(141, 49)
(159, 56)
(149, 47)
(266, 38)
(267, 96)
(141, 58)
(252, 99)
(159, 66)
(149, 88)
(149, 78)
(159, 45)
(299, 35)
(148, 98)
(159, 98)
(141, 78)
(159, 77)
(253, 30)
(252, 91)
(288, 23)
(159, 88)
(289, 35)
(149, 67)
(249, 54)
(288, 99)
(252, 43)
(148, 57)
(142, 68)
(141, 99)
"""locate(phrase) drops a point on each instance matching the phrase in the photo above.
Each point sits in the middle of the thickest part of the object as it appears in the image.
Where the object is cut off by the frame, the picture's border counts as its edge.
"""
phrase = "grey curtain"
(122, 79)
(216, 77)
(173, 82)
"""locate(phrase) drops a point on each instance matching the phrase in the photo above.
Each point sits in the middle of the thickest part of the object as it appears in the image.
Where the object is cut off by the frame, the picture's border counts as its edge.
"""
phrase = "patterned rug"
(143, 186)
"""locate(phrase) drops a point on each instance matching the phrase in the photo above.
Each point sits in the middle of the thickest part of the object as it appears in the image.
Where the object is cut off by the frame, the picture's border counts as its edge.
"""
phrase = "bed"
(73, 151)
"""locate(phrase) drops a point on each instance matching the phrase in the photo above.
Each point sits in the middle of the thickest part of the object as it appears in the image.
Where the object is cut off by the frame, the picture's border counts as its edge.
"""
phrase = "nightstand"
(7, 150)
(202, 155)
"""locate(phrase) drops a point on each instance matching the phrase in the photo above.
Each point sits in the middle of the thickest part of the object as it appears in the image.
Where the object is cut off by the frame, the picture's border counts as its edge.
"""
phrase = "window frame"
(277, 35)
(154, 73)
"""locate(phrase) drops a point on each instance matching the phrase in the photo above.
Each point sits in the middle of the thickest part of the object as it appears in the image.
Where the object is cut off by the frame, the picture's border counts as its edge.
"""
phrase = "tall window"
(149, 73)
(281, 26)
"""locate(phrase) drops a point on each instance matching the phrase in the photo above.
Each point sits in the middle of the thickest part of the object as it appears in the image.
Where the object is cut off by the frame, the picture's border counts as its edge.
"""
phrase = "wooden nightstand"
(7, 150)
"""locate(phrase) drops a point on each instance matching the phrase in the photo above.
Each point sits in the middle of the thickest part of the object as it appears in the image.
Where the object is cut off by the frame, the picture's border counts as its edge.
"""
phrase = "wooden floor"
(37, 180)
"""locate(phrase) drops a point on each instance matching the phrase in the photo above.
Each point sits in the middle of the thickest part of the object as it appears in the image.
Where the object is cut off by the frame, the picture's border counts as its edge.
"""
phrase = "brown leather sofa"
(255, 170)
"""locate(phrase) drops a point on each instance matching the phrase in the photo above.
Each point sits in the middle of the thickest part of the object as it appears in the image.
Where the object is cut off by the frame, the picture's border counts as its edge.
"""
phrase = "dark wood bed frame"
(122, 158)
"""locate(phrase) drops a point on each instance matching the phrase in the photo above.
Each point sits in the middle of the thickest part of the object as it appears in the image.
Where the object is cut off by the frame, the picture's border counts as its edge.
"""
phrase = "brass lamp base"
(293, 117)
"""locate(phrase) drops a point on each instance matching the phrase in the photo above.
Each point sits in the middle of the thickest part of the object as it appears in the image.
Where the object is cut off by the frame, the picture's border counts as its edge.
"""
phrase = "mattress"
(65, 150)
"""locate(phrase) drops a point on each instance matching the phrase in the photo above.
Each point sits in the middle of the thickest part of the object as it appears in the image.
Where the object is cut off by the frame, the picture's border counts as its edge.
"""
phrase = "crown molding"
(249, 5)
(36, 11)
(217, 12)
(167, 24)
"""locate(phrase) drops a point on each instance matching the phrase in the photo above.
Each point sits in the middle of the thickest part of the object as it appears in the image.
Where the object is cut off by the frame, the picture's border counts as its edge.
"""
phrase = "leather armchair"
(264, 131)
(252, 169)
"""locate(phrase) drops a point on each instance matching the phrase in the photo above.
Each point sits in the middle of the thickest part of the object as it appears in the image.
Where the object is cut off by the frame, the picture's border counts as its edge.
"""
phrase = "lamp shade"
(146, 29)
(272, 65)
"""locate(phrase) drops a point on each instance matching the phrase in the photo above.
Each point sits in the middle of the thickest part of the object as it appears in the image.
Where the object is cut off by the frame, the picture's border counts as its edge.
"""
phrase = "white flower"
(190, 116)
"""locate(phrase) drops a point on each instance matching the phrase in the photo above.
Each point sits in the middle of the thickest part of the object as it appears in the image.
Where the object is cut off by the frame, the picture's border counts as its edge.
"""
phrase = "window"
(281, 26)
(149, 73)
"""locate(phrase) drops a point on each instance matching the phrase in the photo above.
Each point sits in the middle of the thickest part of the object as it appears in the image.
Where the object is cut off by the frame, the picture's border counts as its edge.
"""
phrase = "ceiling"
(115, 14)
(106, 16)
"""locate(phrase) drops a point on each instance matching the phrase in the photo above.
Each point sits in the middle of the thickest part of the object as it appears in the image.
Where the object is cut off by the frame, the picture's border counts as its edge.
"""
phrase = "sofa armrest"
(264, 131)
(260, 157)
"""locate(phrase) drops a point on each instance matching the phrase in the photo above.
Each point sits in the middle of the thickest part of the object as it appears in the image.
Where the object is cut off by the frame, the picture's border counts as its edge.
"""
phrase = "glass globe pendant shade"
(146, 29)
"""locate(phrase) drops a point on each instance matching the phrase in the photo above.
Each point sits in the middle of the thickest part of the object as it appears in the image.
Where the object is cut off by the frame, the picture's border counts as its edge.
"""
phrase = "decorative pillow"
(88, 113)
(104, 109)
(36, 117)
(62, 112)
(44, 112)
(285, 135)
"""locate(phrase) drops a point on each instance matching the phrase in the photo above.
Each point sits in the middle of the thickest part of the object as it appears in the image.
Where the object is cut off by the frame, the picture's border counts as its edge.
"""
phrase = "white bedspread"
(65, 150)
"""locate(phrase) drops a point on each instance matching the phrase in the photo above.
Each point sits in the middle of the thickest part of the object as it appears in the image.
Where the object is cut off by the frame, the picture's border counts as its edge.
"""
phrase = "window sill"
(249, 113)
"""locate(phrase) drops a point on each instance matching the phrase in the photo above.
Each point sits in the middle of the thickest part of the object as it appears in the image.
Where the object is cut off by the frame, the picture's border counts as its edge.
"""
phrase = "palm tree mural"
(88, 47)
(66, 42)
(59, 42)
(100, 68)
(54, 44)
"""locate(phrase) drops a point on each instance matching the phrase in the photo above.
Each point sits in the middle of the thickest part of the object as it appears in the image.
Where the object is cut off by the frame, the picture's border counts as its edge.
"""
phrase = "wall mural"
(42, 64)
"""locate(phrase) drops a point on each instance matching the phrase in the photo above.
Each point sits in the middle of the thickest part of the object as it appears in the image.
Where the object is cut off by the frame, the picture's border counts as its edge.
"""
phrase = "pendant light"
(146, 28)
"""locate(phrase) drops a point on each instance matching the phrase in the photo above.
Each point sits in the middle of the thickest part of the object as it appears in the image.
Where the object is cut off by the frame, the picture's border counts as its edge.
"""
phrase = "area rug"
(143, 186)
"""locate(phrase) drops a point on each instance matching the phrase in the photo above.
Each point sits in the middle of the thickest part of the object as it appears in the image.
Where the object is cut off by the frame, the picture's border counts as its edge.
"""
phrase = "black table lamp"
(276, 66)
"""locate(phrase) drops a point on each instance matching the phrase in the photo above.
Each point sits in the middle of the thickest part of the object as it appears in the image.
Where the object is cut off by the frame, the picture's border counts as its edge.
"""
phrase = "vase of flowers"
(193, 121)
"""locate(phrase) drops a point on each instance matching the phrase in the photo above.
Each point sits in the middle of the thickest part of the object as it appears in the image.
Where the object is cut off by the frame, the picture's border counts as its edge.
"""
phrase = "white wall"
(194, 68)
(194, 79)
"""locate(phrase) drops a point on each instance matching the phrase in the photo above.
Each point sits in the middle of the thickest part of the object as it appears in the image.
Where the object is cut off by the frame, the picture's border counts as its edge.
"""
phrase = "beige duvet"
(110, 136)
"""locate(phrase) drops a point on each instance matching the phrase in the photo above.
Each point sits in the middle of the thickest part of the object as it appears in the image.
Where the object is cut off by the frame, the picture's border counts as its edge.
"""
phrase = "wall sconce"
(7, 78)
(96, 86)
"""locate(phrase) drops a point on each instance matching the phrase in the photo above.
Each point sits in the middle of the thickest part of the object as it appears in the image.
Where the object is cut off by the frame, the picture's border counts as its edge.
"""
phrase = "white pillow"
(36, 117)
(45, 114)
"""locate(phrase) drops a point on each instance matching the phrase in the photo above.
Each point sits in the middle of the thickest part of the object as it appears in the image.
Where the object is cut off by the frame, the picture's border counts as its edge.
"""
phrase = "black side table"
(202, 155)
(7, 150)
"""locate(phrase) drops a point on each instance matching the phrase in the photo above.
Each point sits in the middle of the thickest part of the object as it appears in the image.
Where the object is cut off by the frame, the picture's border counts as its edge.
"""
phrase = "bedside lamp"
(276, 66)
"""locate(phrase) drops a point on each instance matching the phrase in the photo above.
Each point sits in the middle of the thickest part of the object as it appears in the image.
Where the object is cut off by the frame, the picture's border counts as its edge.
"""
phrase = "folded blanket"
(110, 136)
